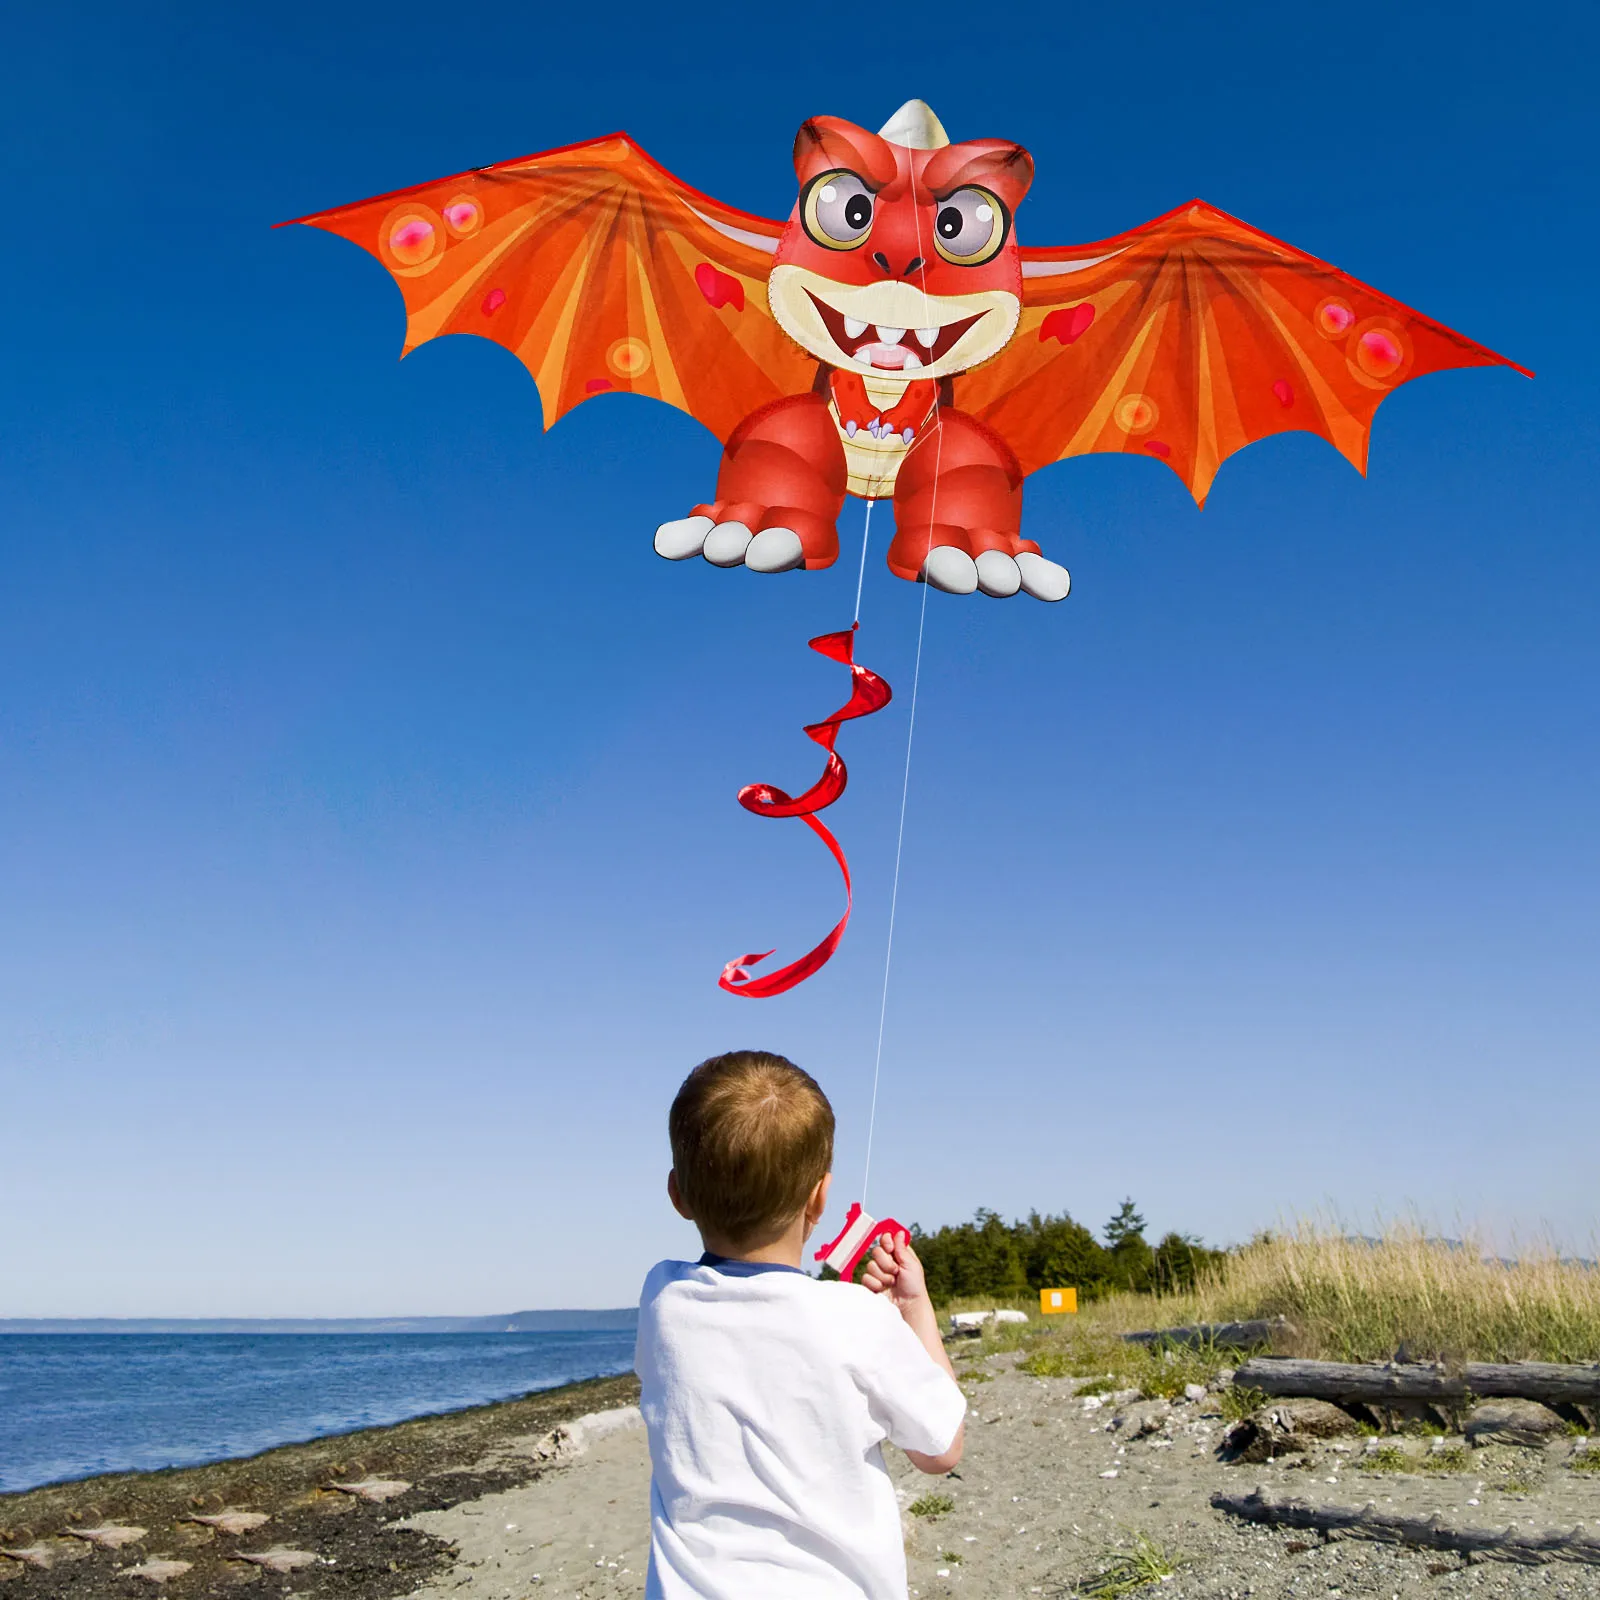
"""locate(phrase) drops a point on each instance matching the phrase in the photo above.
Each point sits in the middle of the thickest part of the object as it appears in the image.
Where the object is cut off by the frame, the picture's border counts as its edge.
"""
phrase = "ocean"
(73, 1405)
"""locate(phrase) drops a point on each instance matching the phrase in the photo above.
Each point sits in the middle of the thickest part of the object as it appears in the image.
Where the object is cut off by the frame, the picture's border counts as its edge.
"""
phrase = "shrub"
(1128, 1571)
(1049, 1364)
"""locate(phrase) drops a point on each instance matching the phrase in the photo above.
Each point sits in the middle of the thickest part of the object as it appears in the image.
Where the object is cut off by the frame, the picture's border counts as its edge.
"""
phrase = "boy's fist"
(893, 1269)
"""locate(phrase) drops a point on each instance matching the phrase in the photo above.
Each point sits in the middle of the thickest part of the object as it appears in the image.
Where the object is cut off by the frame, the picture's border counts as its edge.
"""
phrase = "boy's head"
(752, 1143)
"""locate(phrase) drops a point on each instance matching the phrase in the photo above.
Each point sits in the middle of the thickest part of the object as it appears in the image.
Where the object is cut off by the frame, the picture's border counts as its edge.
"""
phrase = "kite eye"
(969, 227)
(837, 210)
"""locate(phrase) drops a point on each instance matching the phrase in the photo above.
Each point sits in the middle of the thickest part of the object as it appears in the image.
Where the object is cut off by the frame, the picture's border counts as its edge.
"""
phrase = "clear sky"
(368, 845)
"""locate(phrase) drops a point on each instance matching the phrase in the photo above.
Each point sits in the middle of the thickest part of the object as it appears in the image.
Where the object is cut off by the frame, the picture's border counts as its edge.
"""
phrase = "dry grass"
(1351, 1300)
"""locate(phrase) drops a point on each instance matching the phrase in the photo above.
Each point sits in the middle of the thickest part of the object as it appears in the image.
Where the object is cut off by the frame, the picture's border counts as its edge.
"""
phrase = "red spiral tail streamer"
(868, 693)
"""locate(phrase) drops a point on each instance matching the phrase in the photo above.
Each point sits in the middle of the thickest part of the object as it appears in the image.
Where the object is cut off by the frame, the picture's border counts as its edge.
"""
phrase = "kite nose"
(882, 263)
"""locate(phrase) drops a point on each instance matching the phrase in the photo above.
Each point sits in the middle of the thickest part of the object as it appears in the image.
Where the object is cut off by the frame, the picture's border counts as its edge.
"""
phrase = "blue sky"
(367, 827)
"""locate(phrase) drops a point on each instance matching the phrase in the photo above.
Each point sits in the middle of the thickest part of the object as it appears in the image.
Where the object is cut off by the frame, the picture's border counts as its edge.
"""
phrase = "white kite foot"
(1044, 580)
(950, 569)
(774, 550)
(677, 541)
(998, 575)
(726, 544)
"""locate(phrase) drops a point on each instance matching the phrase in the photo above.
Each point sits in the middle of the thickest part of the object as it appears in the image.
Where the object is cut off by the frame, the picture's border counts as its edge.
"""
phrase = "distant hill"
(622, 1317)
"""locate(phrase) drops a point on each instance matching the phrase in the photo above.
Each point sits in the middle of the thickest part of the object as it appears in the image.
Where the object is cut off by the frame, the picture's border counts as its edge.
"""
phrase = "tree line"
(988, 1256)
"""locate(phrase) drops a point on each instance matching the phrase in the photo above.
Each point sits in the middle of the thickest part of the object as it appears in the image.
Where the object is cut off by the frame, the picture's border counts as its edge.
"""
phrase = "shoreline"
(442, 1459)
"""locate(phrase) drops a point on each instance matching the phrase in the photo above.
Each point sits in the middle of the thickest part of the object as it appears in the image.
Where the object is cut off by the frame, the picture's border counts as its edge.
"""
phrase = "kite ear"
(994, 164)
(825, 144)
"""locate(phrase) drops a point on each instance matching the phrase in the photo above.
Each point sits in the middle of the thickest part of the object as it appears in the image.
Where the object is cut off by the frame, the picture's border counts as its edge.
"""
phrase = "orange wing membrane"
(1196, 335)
(599, 270)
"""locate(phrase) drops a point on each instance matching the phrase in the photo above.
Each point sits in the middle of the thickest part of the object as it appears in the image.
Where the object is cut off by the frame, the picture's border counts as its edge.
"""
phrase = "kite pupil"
(949, 222)
(857, 211)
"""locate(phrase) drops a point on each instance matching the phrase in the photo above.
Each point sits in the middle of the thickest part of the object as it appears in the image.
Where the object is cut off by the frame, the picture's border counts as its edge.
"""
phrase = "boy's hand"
(893, 1269)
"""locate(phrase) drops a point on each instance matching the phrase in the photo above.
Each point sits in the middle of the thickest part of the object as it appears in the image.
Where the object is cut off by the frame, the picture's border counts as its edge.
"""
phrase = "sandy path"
(1033, 1513)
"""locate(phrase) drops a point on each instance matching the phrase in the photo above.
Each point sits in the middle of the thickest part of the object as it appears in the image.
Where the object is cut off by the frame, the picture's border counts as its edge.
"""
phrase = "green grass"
(1100, 1355)
(1586, 1460)
(1388, 1458)
(1128, 1571)
(976, 1377)
(1236, 1404)
(932, 1505)
(1053, 1363)
(1515, 1483)
(1454, 1458)
(950, 1555)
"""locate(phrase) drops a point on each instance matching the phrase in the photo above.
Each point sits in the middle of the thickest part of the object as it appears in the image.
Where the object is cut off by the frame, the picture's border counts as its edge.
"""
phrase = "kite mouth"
(891, 349)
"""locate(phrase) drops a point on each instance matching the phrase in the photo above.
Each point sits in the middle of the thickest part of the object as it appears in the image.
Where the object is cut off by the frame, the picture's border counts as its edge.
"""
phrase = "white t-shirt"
(766, 1394)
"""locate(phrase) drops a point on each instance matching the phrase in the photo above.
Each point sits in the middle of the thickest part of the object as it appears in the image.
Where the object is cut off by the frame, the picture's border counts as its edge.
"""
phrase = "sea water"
(73, 1405)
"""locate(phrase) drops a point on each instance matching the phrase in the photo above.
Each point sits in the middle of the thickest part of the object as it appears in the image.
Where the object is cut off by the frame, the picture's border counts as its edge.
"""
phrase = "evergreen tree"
(1132, 1260)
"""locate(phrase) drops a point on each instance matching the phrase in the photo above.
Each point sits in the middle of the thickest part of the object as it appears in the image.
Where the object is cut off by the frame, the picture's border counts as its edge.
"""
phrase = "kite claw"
(677, 541)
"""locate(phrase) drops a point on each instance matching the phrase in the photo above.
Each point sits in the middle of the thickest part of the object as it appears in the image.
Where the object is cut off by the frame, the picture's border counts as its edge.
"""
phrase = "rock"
(108, 1537)
(1524, 1422)
(233, 1521)
(965, 1321)
(1283, 1427)
(158, 1569)
(377, 1490)
(1195, 1391)
(33, 1555)
(1122, 1397)
(1147, 1416)
(279, 1559)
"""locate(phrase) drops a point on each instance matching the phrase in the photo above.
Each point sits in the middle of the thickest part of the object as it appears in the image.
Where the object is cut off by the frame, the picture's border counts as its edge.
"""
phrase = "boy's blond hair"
(752, 1136)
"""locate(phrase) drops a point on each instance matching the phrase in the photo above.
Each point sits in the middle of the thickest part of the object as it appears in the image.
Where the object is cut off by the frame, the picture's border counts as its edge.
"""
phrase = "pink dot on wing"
(1381, 347)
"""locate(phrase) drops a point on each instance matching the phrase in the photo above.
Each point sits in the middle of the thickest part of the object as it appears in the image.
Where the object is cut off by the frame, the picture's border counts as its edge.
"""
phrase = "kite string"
(861, 577)
(911, 731)
(894, 899)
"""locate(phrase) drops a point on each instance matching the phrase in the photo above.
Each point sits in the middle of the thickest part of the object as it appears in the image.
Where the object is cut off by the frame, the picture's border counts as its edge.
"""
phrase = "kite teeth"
(854, 329)
(927, 336)
(912, 360)
(890, 335)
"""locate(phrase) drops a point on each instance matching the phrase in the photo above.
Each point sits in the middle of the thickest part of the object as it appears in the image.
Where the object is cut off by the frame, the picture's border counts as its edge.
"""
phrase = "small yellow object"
(1054, 1301)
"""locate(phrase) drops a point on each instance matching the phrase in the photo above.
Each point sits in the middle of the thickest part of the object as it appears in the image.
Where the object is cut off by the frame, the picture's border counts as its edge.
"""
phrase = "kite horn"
(914, 127)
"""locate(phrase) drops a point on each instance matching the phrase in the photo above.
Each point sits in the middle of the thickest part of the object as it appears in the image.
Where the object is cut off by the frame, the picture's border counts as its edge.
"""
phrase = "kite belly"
(872, 464)
(878, 420)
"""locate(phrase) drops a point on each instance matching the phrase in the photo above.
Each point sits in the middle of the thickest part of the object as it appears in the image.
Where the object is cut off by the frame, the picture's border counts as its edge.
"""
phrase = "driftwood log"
(1389, 1383)
(1217, 1335)
(1427, 1533)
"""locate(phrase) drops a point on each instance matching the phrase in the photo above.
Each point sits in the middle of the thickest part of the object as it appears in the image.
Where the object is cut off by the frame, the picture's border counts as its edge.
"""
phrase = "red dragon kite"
(891, 340)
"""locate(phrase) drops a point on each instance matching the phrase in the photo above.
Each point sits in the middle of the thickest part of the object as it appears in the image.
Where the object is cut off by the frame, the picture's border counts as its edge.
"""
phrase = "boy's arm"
(896, 1272)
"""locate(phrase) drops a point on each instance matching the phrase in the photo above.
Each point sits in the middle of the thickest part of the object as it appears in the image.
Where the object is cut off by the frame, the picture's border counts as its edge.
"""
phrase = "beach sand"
(550, 1495)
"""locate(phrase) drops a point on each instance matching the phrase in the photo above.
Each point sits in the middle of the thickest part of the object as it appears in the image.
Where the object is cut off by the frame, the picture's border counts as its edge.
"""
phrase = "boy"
(767, 1392)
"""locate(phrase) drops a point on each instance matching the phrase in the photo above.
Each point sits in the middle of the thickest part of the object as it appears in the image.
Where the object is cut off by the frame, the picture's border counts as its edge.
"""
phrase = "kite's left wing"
(1196, 335)
(600, 270)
